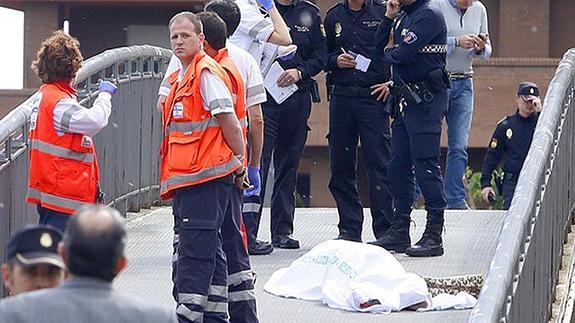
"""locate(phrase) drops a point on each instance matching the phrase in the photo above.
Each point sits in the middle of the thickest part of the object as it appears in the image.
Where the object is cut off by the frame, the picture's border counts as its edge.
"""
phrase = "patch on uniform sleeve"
(509, 133)
(409, 37)
(337, 29)
(493, 144)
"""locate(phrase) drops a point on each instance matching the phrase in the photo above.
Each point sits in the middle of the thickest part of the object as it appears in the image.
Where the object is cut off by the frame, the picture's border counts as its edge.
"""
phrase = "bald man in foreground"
(93, 251)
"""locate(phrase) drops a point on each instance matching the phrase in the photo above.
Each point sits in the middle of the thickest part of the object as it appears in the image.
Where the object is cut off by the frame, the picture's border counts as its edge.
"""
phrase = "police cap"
(528, 90)
(35, 244)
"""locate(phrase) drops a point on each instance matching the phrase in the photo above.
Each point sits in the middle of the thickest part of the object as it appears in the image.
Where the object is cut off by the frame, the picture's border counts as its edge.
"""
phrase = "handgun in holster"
(315, 96)
(498, 180)
(329, 85)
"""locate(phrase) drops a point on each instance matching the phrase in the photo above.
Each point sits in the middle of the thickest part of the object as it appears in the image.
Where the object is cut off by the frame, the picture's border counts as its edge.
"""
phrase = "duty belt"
(434, 49)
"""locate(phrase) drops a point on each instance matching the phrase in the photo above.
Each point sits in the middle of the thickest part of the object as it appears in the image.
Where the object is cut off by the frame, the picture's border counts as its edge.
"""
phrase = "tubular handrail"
(515, 239)
(18, 117)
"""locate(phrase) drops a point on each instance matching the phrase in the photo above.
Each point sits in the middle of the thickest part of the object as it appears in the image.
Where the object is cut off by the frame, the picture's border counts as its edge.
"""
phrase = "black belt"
(460, 76)
(355, 91)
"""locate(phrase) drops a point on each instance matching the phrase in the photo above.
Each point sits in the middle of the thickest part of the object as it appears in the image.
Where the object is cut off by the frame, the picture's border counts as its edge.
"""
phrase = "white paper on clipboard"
(279, 94)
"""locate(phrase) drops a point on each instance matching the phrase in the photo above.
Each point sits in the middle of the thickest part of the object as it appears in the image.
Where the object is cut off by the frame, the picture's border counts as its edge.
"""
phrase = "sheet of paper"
(279, 94)
(362, 63)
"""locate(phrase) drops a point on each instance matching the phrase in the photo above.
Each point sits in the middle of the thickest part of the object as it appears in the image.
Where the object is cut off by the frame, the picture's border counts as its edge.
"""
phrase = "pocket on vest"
(183, 152)
(75, 181)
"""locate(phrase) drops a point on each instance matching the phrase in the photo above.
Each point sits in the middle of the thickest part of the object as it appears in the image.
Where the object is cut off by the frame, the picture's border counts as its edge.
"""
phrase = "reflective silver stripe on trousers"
(218, 307)
(241, 296)
(198, 126)
(258, 27)
(189, 314)
(206, 173)
(220, 291)
(239, 277)
(251, 207)
(55, 200)
(60, 151)
(196, 299)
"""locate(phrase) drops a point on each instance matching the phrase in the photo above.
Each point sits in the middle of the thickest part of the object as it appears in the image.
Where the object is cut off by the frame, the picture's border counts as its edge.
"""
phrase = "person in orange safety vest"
(202, 158)
(63, 165)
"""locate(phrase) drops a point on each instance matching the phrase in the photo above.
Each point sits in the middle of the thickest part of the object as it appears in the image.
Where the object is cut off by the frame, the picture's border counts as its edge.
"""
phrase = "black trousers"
(353, 120)
(285, 134)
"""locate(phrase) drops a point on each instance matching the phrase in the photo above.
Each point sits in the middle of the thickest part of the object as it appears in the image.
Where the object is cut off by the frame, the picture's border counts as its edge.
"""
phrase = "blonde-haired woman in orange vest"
(63, 165)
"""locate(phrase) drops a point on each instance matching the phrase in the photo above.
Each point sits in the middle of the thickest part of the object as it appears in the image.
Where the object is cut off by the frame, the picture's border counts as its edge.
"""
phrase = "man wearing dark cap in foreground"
(511, 139)
(33, 261)
(93, 251)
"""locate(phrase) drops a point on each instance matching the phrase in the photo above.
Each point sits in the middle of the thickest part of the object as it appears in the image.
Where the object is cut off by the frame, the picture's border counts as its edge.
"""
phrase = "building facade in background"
(528, 36)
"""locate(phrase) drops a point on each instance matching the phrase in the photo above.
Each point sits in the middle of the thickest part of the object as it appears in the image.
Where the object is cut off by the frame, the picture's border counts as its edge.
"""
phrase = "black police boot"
(430, 244)
(396, 238)
(258, 248)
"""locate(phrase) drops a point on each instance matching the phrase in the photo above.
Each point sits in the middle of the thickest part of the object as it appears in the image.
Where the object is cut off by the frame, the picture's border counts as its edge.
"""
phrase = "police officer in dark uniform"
(285, 124)
(511, 139)
(415, 42)
(355, 113)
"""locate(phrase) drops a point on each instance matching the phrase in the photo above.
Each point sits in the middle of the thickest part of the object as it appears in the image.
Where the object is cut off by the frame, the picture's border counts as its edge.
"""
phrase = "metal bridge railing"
(524, 271)
(127, 148)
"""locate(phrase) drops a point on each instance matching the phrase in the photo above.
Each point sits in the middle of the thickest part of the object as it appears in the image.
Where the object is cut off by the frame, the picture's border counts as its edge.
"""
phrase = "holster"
(315, 96)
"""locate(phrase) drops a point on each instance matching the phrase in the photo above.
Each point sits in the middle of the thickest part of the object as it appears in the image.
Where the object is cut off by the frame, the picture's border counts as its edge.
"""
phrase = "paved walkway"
(470, 240)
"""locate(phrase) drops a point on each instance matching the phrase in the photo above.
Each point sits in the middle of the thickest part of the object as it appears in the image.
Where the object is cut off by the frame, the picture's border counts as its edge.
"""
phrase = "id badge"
(178, 111)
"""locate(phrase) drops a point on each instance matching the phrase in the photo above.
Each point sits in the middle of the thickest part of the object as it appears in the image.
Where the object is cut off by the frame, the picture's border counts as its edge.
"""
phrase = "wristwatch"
(240, 174)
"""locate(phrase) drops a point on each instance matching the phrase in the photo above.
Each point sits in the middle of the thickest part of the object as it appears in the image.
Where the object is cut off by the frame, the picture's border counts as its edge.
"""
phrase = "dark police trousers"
(349, 118)
(200, 269)
(508, 189)
(54, 218)
(241, 295)
(285, 133)
(415, 149)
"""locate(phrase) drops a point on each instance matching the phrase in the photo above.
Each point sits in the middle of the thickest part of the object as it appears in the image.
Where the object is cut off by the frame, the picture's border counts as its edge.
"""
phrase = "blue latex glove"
(255, 182)
(108, 87)
(266, 4)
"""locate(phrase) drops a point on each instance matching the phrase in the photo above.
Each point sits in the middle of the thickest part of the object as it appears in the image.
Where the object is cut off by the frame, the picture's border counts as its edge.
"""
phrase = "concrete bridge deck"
(470, 240)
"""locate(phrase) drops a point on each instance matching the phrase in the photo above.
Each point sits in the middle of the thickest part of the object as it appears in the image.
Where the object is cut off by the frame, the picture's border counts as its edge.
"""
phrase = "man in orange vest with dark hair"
(202, 159)
(63, 166)
(241, 295)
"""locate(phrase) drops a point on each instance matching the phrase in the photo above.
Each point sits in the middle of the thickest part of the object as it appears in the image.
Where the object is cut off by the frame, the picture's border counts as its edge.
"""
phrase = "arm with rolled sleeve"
(217, 99)
(493, 156)
(70, 117)
(422, 26)
(316, 62)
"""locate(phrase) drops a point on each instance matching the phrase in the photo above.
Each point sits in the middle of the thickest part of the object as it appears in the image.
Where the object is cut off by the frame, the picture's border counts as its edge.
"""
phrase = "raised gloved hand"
(109, 87)
(266, 4)
(255, 182)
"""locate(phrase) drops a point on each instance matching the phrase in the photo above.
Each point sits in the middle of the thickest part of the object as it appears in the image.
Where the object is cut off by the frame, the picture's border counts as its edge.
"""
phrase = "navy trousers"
(56, 219)
(353, 120)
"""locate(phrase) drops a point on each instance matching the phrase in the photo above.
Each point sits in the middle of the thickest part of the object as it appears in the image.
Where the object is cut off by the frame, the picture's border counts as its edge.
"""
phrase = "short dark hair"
(214, 29)
(190, 16)
(58, 58)
(94, 243)
(229, 11)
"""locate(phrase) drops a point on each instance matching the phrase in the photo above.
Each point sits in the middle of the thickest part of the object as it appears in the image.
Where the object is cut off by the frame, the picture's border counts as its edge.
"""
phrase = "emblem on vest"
(178, 111)
(337, 29)
(86, 141)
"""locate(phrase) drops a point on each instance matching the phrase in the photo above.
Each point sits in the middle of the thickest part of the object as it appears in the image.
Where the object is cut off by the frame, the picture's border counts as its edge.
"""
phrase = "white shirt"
(254, 29)
(253, 82)
(70, 117)
(216, 97)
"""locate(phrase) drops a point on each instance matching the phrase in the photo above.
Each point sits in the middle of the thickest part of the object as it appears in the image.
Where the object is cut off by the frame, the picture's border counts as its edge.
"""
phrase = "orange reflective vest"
(237, 89)
(63, 169)
(193, 149)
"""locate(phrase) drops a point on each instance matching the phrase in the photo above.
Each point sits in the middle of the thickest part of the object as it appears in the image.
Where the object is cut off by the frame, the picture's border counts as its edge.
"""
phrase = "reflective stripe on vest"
(54, 200)
(60, 151)
(193, 126)
(214, 172)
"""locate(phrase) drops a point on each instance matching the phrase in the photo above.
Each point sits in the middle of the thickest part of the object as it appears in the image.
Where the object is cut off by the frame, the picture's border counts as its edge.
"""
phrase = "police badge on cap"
(34, 245)
(528, 90)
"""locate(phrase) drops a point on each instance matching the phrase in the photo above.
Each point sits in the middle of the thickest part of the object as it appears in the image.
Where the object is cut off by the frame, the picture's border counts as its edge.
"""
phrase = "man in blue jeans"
(467, 37)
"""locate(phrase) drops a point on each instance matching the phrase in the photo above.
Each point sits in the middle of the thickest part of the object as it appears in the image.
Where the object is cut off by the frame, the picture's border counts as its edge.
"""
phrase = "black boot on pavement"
(258, 248)
(431, 243)
(396, 238)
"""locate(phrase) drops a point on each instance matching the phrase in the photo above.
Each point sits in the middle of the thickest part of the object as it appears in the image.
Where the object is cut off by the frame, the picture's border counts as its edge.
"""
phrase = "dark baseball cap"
(528, 90)
(36, 244)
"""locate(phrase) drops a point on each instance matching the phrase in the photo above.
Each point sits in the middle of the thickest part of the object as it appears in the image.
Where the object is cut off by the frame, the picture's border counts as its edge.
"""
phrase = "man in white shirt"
(467, 37)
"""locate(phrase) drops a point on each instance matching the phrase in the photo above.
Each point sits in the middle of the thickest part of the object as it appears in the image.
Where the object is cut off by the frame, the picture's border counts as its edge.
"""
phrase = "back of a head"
(214, 29)
(94, 242)
(229, 11)
(58, 58)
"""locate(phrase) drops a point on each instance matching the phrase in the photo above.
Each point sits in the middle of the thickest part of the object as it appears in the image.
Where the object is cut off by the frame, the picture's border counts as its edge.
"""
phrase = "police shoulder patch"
(409, 37)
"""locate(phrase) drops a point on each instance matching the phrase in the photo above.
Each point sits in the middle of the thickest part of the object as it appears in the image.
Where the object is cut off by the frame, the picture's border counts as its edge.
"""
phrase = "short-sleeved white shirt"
(249, 69)
(254, 29)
